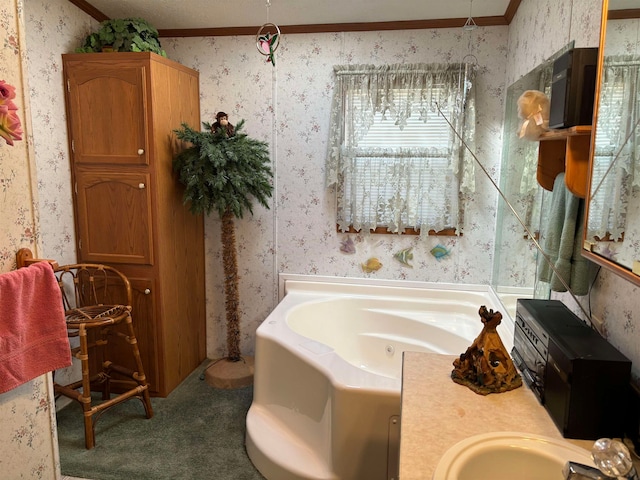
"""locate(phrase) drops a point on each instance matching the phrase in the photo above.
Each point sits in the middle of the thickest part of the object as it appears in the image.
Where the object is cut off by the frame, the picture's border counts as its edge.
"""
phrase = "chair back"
(87, 284)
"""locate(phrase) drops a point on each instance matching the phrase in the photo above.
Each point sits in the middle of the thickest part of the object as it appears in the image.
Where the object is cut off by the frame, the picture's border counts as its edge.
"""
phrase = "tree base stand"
(228, 375)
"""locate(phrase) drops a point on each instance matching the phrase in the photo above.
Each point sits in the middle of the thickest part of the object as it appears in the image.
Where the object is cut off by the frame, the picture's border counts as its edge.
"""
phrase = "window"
(393, 157)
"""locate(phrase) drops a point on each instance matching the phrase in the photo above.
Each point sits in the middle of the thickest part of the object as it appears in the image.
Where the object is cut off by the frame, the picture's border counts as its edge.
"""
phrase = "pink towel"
(33, 333)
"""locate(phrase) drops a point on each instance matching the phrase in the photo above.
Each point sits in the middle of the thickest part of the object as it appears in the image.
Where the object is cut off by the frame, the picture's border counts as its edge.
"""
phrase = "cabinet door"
(144, 326)
(114, 217)
(107, 113)
(143, 317)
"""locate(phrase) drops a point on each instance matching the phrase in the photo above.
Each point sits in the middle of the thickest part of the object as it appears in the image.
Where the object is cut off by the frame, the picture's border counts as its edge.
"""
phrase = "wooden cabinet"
(565, 150)
(116, 217)
(121, 111)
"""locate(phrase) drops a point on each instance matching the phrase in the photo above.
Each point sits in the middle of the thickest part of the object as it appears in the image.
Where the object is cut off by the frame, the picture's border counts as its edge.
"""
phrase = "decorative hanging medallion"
(268, 40)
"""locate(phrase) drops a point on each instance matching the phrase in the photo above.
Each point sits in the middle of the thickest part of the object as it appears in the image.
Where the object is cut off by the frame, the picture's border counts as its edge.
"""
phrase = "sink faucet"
(612, 457)
(577, 471)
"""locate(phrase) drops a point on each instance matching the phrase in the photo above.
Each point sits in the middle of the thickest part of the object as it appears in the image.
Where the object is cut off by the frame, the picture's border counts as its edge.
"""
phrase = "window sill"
(447, 232)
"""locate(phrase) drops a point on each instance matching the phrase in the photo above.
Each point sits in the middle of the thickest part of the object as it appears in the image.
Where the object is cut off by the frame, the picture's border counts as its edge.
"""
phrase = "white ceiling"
(188, 14)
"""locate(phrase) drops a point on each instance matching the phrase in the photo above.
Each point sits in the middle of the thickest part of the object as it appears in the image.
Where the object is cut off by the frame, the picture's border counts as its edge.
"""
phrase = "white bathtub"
(328, 372)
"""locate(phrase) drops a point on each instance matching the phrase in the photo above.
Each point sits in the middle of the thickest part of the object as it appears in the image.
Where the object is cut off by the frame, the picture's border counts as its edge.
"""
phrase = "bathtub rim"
(288, 282)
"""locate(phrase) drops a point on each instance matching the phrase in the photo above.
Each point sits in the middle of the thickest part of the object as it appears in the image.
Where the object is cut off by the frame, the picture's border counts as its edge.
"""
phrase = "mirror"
(612, 222)
(516, 256)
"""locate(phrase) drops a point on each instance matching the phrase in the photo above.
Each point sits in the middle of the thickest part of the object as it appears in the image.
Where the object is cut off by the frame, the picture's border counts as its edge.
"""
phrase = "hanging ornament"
(268, 39)
(469, 26)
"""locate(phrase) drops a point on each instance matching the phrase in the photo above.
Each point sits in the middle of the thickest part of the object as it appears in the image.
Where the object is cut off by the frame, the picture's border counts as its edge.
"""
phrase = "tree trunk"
(232, 298)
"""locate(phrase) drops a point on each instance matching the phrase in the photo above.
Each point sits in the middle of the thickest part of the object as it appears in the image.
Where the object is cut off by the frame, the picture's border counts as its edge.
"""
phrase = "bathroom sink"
(509, 456)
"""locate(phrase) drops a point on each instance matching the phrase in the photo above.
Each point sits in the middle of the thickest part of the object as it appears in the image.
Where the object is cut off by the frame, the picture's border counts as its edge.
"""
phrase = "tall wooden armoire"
(121, 111)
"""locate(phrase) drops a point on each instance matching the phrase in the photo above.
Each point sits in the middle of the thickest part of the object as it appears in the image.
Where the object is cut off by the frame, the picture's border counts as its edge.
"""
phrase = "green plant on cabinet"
(123, 35)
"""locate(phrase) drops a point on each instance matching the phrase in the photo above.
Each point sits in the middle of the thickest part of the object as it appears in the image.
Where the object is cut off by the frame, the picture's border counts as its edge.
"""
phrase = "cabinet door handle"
(141, 151)
(147, 291)
(141, 186)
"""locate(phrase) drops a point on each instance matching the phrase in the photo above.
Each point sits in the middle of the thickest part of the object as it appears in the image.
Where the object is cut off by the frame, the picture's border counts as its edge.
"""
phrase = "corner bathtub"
(328, 370)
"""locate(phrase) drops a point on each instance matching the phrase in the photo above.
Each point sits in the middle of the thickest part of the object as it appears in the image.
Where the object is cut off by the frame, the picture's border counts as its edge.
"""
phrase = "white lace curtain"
(616, 167)
(422, 185)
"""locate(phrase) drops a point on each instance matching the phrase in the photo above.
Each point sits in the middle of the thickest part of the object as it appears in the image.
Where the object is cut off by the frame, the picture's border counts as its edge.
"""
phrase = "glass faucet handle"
(612, 458)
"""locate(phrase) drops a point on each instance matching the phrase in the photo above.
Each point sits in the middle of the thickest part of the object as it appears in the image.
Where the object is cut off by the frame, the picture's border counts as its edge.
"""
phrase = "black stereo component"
(573, 88)
(579, 377)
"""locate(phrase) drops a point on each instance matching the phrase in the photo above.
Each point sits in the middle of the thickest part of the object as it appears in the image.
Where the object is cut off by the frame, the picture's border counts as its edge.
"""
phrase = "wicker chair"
(97, 301)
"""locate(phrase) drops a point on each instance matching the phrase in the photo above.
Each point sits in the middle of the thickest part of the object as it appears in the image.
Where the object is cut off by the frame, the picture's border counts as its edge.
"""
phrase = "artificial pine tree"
(225, 173)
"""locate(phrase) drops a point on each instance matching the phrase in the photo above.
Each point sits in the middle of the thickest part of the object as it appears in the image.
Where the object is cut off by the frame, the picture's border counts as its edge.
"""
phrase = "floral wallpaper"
(16, 166)
(28, 440)
(288, 106)
(541, 28)
(53, 28)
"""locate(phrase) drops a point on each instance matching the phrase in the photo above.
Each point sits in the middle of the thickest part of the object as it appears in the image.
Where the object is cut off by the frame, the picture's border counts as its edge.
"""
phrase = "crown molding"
(489, 21)
(336, 27)
(623, 14)
(86, 7)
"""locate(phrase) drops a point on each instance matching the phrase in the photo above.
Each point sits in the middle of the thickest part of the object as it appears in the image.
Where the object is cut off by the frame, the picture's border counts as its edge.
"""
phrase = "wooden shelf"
(565, 150)
(566, 132)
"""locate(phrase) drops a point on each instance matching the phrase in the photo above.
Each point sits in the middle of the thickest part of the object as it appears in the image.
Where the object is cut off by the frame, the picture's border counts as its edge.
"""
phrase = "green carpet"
(196, 433)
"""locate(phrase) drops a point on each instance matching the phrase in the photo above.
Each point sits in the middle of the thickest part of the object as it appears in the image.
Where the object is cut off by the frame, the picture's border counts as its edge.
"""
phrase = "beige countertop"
(438, 413)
